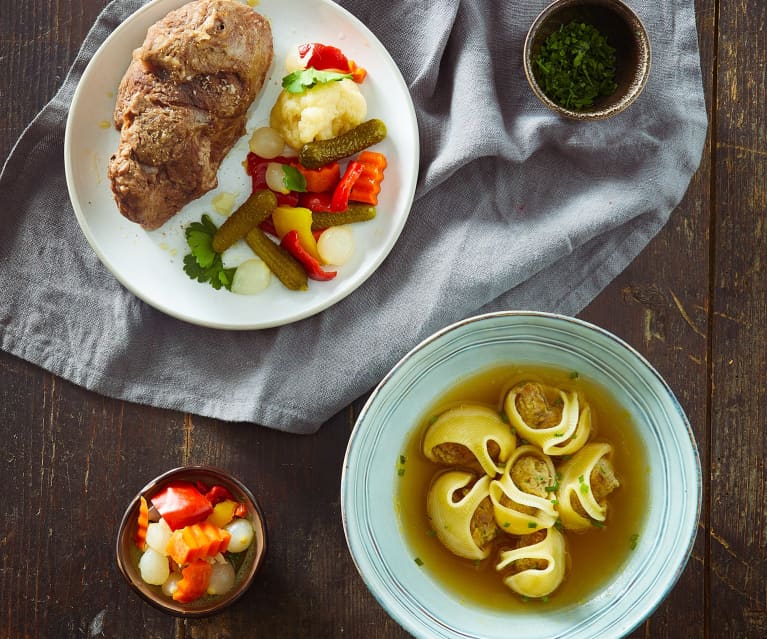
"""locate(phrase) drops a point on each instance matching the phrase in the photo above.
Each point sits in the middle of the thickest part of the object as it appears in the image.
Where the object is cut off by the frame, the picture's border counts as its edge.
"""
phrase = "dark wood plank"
(738, 565)
(660, 305)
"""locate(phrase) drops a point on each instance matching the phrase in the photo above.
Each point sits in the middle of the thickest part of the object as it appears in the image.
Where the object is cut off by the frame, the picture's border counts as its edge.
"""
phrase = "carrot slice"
(194, 582)
(143, 523)
(368, 184)
(197, 542)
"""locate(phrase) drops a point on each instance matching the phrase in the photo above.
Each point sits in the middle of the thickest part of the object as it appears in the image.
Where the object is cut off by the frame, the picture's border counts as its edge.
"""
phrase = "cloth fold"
(515, 208)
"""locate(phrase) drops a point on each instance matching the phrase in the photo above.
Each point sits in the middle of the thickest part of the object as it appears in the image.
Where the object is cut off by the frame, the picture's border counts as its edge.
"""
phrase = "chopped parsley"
(299, 81)
(402, 459)
(584, 489)
(532, 524)
(400, 472)
(507, 524)
(634, 540)
(433, 419)
(576, 65)
(431, 533)
(552, 489)
(597, 524)
(203, 263)
(418, 561)
(575, 375)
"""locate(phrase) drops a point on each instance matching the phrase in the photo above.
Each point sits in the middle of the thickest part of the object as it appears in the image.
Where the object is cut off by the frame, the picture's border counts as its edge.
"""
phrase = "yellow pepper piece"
(223, 513)
(289, 218)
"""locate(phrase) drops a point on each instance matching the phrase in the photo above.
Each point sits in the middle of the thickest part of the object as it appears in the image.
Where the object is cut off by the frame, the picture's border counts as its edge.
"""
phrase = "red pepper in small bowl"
(181, 504)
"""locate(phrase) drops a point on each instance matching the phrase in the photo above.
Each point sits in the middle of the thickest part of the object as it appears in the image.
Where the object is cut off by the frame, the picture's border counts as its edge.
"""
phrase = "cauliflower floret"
(319, 113)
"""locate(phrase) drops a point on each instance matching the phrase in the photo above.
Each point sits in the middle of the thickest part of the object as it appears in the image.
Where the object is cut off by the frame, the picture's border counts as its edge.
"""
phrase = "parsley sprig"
(203, 263)
(299, 81)
(576, 65)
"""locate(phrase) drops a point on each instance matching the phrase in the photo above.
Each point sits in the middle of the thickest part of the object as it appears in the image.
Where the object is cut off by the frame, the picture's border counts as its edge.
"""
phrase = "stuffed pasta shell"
(558, 422)
(469, 434)
(587, 479)
(461, 513)
(536, 567)
(522, 496)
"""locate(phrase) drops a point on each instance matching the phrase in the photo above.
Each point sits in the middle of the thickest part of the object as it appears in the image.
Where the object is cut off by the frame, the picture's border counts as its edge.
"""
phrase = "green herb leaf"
(402, 459)
(552, 489)
(532, 524)
(575, 375)
(575, 66)
(634, 540)
(299, 81)
(401, 472)
(418, 561)
(293, 179)
(597, 524)
(433, 419)
(585, 489)
(203, 263)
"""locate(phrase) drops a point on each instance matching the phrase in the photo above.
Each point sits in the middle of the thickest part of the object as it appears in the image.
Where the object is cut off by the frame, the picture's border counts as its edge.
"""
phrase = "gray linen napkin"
(515, 208)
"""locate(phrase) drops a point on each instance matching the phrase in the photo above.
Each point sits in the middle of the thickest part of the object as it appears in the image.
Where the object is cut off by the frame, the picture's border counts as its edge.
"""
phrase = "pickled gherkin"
(355, 213)
(287, 269)
(250, 214)
(316, 154)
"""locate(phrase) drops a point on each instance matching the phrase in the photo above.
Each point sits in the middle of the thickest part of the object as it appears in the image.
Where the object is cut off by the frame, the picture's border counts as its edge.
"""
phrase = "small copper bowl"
(128, 554)
(624, 31)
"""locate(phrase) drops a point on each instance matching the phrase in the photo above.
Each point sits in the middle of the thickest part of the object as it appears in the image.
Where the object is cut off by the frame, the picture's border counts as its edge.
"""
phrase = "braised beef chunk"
(182, 105)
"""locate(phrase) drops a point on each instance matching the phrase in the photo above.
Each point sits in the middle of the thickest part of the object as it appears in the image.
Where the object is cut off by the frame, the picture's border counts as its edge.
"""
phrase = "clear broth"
(593, 556)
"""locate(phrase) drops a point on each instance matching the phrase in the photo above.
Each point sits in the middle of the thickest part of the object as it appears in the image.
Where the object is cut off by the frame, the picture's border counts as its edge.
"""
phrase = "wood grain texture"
(738, 562)
(693, 303)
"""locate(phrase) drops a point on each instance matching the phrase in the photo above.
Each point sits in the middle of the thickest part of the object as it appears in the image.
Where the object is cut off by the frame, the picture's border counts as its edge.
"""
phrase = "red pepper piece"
(315, 201)
(324, 57)
(291, 244)
(240, 510)
(181, 504)
(340, 200)
(217, 494)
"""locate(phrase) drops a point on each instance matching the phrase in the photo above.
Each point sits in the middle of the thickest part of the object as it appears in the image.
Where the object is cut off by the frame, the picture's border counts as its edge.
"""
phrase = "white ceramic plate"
(383, 557)
(149, 264)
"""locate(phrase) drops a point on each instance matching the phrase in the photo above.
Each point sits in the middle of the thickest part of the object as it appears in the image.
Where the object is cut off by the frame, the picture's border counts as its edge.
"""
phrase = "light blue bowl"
(369, 480)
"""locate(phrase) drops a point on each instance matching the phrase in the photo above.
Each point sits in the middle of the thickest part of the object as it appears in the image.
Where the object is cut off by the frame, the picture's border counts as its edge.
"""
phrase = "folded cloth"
(515, 208)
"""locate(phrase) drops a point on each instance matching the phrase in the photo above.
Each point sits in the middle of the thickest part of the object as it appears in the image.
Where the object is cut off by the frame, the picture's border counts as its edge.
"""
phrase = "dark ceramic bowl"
(624, 31)
(128, 554)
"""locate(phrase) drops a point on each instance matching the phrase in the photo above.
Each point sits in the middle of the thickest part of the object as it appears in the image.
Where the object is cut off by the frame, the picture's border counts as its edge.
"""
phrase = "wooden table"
(693, 302)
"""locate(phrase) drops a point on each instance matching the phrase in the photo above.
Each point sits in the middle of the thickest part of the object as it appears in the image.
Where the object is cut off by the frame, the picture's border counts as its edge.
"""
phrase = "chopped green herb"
(545, 599)
(580, 479)
(476, 563)
(507, 524)
(203, 263)
(558, 476)
(597, 524)
(552, 489)
(525, 598)
(433, 419)
(299, 81)
(503, 416)
(431, 533)
(634, 541)
(532, 524)
(293, 179)
(575, 65)
(402, 459)
(584, 489)
(565, 458)
(558, 525)
(418, 561)
(513, 430)
(559, 434)
(401, 472)
(575, 375)
(554, 502)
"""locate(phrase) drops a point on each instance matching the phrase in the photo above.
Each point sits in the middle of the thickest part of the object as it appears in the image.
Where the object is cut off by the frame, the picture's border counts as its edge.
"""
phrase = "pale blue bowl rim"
(404, 621)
